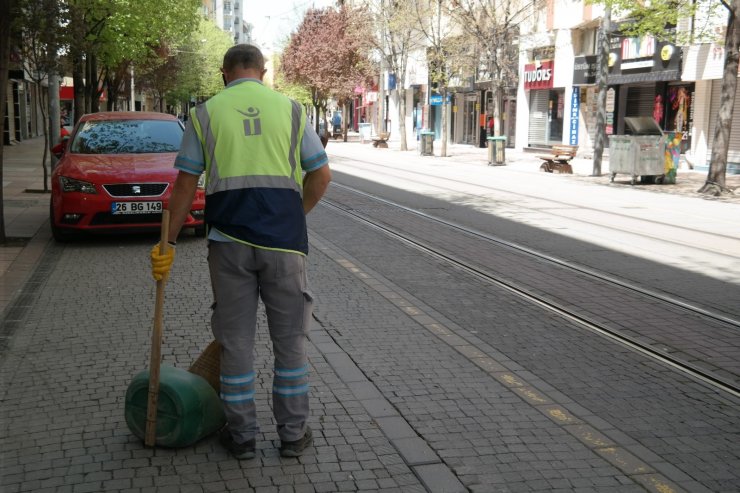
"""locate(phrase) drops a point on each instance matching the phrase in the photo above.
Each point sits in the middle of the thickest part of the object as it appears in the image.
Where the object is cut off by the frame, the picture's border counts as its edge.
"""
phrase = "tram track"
(691, 308)
(558, 205)
(566, 311)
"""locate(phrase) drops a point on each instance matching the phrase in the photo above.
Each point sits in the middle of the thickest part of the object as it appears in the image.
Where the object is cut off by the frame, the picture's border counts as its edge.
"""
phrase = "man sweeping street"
(253, 145)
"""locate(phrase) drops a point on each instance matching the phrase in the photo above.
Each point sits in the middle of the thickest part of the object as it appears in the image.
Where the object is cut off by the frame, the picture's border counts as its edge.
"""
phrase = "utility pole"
(603, 66)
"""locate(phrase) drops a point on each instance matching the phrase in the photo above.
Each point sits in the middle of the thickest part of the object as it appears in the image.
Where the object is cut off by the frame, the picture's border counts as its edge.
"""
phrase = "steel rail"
(717, 317)
(686, 368)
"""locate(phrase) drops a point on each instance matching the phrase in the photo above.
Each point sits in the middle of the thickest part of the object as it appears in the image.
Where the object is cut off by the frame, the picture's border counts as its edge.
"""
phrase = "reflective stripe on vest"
(251, 137)
(215, 183)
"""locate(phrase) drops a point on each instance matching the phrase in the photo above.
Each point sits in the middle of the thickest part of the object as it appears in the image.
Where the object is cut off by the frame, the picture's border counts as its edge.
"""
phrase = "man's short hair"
(244, 56)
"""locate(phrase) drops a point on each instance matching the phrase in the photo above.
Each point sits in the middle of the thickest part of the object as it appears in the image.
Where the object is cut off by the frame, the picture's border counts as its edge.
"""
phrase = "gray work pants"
(240, 274)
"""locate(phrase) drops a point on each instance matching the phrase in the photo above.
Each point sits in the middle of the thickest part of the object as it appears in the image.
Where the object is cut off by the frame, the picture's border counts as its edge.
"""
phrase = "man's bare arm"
(314, 185)
(180, 201)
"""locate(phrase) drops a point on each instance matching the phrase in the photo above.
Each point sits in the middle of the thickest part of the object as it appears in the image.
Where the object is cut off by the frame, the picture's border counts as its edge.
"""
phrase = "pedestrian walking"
(253, 145)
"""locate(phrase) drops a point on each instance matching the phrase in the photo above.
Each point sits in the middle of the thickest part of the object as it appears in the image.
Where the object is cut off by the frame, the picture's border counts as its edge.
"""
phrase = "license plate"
(135, 207)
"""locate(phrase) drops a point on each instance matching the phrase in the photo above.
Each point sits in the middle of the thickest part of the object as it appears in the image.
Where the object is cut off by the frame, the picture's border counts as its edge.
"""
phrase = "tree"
(439, 34)
(715, 183)
(188, 70)
(351, 64)
(325, 56)
(491, 28)
(397, 35)
(39, 21)
(116, 33)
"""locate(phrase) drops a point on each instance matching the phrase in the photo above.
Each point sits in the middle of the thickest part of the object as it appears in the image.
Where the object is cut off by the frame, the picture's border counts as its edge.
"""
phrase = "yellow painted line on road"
(590, 436)
(531, 395)
(658, 484)
(438, 329)
(617, 456)
(624, 460)
(508, 379)
(559, 414)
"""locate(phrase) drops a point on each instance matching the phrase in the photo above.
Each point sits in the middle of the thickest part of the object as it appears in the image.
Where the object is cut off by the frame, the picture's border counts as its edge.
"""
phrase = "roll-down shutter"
(733, 155)
(640, 100)
(538, 109)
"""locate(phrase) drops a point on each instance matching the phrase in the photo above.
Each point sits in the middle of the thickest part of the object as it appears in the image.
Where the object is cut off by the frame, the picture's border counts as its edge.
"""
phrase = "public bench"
(558, 161)
(381, 140)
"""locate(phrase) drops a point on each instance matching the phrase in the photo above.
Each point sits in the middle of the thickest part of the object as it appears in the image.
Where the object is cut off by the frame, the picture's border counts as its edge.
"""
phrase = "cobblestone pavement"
(422, 380)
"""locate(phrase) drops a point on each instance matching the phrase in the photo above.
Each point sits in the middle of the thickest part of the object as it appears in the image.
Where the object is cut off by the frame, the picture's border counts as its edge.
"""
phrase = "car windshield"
(127, 137)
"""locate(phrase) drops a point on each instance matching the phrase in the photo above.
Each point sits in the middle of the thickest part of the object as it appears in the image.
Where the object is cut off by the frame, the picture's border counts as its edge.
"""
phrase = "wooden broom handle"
(156, 354)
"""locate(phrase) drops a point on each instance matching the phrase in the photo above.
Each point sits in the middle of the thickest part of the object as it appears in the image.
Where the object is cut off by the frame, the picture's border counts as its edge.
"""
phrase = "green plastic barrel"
(188, 408)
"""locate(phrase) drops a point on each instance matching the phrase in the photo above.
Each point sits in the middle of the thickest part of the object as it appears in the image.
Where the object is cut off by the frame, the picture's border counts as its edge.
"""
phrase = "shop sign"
(584, 70)
(436, 99)
(641, 59)
(575, 105)
(391, 82)
(610, 98)
(539, 75)
(371, 97)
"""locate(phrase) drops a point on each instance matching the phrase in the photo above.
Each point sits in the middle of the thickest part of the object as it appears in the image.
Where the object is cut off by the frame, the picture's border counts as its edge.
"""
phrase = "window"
(127, 137)
(589, 39)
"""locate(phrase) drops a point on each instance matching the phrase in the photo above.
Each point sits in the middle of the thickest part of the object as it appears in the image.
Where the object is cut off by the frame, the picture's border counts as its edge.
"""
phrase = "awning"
(662, 75)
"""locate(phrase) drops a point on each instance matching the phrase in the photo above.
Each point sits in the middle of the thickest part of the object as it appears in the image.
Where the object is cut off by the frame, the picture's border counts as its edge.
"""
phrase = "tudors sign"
(539, 76)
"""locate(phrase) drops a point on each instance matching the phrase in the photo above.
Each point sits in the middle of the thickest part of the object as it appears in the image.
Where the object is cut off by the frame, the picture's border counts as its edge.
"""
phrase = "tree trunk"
(715, 184)
(443, 133)
(401, 92)
(112, 93)
(345, 113)
(92, 100)
(44, 111)
(6, 20)
(54, 114)
(498, 99)
(78, 80)
(603, 75)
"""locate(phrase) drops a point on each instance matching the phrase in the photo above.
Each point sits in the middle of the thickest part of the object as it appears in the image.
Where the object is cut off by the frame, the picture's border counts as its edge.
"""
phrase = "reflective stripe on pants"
(240, 274)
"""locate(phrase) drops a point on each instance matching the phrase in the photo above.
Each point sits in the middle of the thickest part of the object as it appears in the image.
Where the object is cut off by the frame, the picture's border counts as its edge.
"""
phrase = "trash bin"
(366, 131)
(496, 153)
(427, 143)
(640, 154)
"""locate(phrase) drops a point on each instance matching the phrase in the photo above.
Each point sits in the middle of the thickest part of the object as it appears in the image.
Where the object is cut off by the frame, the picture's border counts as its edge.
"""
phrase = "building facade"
(677, 86)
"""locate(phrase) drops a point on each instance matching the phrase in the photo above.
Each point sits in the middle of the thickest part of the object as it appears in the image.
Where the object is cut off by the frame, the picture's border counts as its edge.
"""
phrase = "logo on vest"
(252, 125)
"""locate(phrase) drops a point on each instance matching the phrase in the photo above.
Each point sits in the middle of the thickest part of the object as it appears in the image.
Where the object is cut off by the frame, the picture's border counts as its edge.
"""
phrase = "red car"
(116, 173)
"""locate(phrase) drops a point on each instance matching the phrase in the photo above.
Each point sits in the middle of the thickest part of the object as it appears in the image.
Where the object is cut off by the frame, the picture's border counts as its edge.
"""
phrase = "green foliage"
(297, 92)
(328, 54)
(659, 19)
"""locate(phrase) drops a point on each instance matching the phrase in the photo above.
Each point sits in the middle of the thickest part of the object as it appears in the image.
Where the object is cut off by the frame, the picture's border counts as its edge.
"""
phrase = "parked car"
(116, 173)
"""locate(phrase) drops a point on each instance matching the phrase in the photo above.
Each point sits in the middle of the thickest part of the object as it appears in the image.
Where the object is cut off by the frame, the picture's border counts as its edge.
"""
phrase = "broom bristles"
(208, 365)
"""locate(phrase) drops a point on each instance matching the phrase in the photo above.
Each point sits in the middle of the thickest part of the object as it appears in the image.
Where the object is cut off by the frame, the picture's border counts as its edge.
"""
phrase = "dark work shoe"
(239, 450)
(297, 447)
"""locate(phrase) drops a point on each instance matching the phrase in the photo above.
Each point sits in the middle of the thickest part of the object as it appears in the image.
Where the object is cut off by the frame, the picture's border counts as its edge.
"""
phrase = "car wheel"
(60, 234)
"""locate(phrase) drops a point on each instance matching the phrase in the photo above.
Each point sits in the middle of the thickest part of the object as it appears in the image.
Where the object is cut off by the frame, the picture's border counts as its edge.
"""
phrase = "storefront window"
(546, 113)
(679, 112)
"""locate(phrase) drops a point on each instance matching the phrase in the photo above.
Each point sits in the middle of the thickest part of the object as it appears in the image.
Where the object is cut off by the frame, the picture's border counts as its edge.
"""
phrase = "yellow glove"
(161, 263)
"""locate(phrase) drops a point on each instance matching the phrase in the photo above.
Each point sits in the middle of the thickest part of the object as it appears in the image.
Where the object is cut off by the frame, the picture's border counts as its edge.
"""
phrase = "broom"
(155, 360)
(208, 365)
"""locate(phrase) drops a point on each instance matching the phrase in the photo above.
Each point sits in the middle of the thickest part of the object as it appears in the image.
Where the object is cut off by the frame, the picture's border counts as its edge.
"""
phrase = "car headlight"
(202, 180)
(72, 185)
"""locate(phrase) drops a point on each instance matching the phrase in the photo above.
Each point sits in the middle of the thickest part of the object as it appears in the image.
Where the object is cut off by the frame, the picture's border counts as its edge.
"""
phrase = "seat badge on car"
(136, 189)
